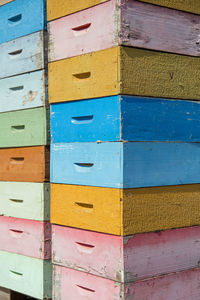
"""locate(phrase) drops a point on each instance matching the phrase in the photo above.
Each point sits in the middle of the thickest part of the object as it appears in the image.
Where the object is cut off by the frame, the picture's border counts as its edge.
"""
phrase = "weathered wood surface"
(125, 165)
(125, 118)
(25, 237)
(134, 24)
(26, 200)
(22, 55)
(125, 212)
(71, 284)
(5, 294)
(126, 259)
(23, 91)
(26, 275)
(64, 8)
(30, 127)
(28, 164)
(20, 18)
(124, 70)
(185, 5)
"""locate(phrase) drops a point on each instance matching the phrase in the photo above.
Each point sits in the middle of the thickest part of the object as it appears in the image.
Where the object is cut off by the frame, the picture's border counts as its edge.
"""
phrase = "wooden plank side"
(185, 5)
(23, 92)
(29, 164)
(83, 32)
(126, 259)
(22, 55)
(156, 74)
(26, 200)
(64, 8)
(23, 128)
(88, 76)
(125, 212)
(25, 237)
(125, 71)
(159, 28)
(26, 275)
(71, 284)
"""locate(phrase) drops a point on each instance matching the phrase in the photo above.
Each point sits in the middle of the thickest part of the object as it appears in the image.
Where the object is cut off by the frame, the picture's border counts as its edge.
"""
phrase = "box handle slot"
(16, 200)
(82, 120)
(18, 127)
(17, 160)
(17, 88)
(15, 20)
(82, 27)
(85, 289)
(16, 273)
(84, 165)
(82, 76)
(84, 205)
(15, 54)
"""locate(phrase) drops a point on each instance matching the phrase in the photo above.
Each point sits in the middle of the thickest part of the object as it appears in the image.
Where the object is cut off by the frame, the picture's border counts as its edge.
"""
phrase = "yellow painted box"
(125, 211)
(124, 70)
(192, 6)
(65, 7)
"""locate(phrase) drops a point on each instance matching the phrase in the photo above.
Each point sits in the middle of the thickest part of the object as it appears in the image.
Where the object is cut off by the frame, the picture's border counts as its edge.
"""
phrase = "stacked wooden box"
(125, 155)
(25, 232)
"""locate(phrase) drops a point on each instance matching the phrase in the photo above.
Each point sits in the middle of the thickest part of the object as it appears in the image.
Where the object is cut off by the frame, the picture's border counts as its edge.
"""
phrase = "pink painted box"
(25, 237)
(75, 285)
(126, 259)
(124, 22)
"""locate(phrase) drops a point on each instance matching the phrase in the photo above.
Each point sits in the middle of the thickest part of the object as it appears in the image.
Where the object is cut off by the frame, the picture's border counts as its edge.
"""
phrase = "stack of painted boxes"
(125, 153)
(25, 233)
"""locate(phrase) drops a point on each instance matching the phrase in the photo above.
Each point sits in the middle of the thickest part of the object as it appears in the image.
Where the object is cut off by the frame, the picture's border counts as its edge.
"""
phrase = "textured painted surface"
(131, 24)
(127, 71)
(25, 237)
(64, 8)
(29, 164)
(26, 200)
(125, 118)
(30, 127)
(23, 91)
(18, 19)
(125, 165)
(70, 284)
(26, 275)
(125, 212)
(126, 259)
(22, 55)
(83, 32)
(186, 5)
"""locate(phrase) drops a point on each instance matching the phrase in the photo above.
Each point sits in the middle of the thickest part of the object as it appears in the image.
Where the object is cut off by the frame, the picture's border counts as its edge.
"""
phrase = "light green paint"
(23, 128)
(26, 275)
(25, 200)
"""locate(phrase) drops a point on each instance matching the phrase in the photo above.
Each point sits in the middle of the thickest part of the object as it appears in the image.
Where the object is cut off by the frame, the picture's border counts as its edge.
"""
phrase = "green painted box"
(26, 275)
(29, 127)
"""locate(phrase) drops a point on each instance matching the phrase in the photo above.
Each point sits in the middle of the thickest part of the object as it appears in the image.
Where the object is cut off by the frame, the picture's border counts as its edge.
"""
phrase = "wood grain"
(125, 212)
(29, 164)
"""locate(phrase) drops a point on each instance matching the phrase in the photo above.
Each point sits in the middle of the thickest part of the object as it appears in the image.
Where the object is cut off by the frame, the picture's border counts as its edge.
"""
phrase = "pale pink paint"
(89, 30)
(75, 285)
(25, 237)
(131, 23)
(126, 258)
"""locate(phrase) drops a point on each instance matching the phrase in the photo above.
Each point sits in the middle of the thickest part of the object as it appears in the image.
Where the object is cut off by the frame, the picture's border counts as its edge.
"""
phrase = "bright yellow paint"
(124, 70)
(185, 5)
(60, 8)
(125, 212)
(87, 76)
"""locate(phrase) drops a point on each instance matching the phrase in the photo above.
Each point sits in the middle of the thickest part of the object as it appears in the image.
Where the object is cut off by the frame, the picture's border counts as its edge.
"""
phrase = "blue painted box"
(125, 165)
(21, 17)
(125, 118)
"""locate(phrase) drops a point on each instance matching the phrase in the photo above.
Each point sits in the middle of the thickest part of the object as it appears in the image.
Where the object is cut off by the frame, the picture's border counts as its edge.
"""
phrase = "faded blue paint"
(21, 17)
(22, 92)
(127, 165)
(125, 118)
